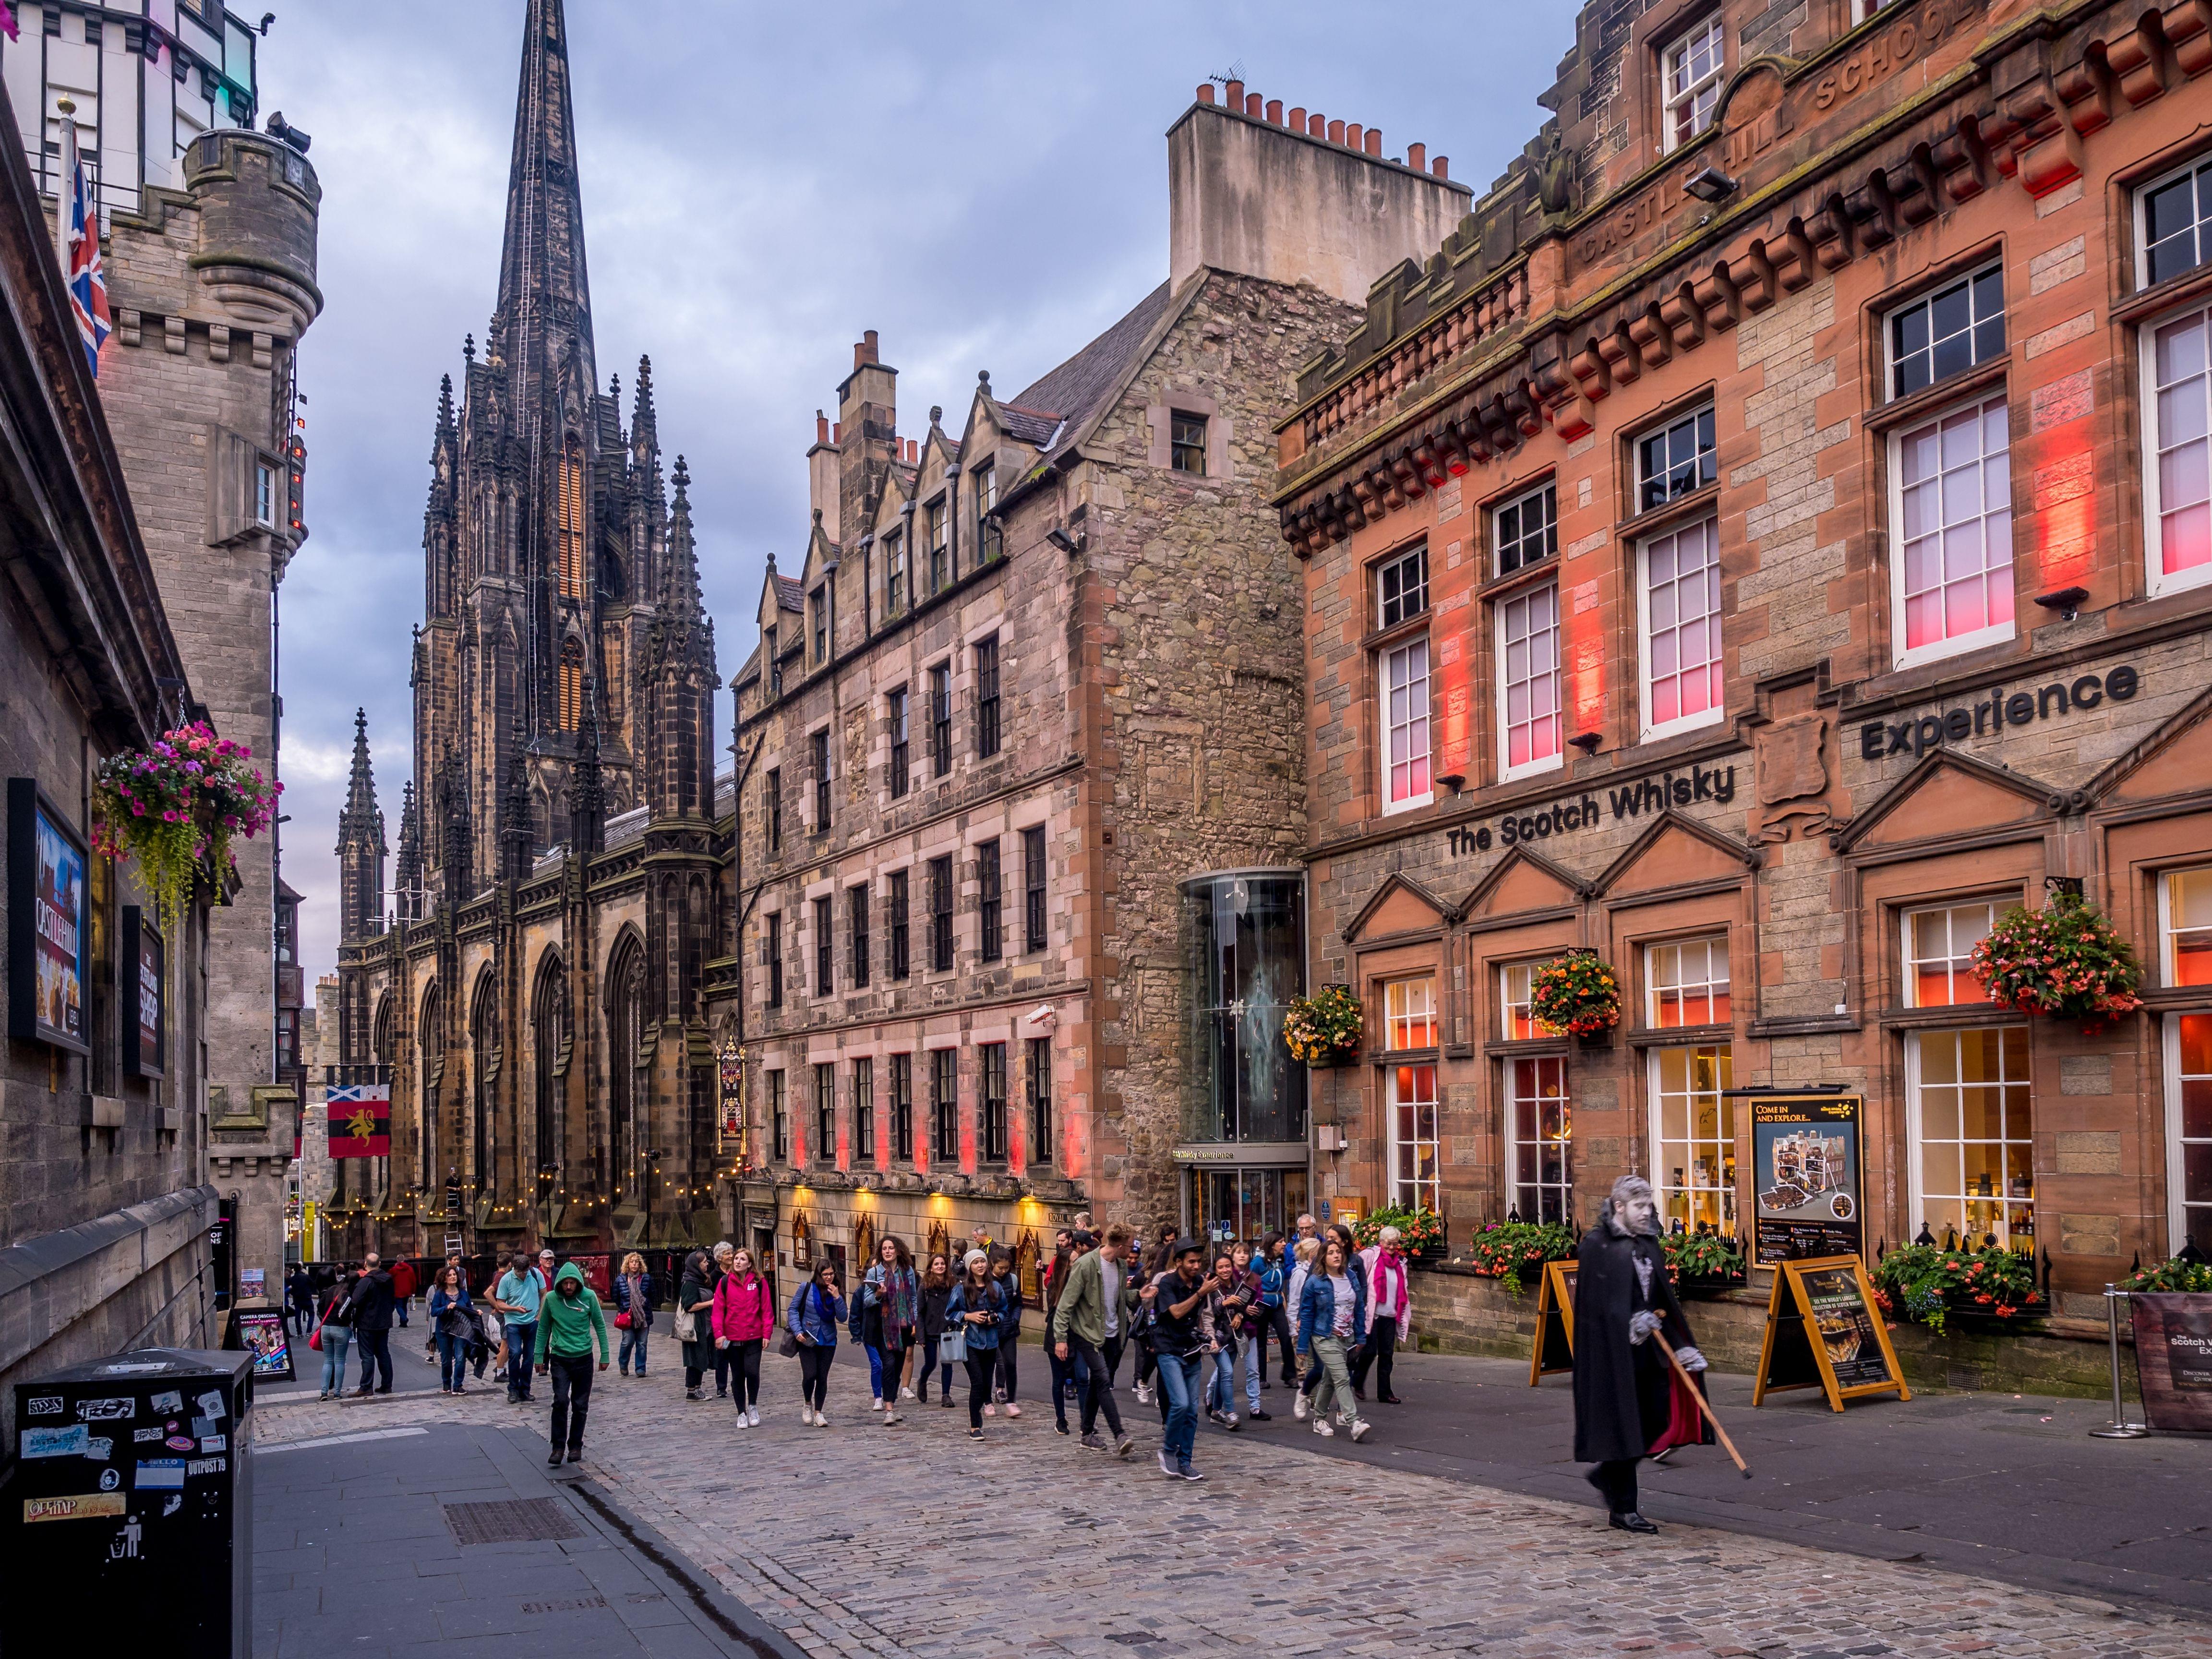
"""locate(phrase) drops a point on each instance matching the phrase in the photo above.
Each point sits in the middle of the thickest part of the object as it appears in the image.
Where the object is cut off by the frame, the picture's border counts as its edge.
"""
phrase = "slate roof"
(1080, 387)
(790, 593)
(1027, 426)
(627, 827)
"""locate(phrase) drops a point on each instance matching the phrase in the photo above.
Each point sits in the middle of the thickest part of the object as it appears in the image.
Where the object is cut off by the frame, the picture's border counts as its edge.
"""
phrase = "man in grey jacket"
(1090, 1323)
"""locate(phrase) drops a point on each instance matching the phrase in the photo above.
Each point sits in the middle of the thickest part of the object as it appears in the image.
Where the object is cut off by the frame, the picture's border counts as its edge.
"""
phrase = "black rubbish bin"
(129, 1498)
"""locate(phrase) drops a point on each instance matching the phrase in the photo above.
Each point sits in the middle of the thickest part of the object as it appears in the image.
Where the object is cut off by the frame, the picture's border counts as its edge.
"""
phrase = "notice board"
(1808, 1174)
(1554, 1348)
(1825, 1330)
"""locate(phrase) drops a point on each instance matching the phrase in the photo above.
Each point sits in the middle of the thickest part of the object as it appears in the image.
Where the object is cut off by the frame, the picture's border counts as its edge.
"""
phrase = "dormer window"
(774, 665)
(989, 538)
(895, 572)
(819, 606)
(1692, 82)
(939, 555)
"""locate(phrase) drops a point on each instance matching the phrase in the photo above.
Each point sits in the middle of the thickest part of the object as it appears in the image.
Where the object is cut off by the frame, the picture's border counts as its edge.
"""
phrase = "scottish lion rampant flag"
(360, 1120)
(88, 283)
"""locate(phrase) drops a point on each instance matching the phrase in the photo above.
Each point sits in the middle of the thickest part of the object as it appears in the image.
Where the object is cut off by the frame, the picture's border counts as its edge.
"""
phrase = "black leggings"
(1382, 1344)
(1147, 1363)
(925, 1367)
(1009, 1342)
(744, 1371)
(981, 1363)
(814, 1373)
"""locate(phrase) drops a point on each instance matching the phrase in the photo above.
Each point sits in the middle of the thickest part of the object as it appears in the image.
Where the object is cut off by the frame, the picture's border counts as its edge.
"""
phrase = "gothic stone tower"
(546, 524)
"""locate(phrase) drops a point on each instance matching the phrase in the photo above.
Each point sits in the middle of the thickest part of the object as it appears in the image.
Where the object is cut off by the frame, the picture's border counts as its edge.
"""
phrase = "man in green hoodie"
(566, 1324)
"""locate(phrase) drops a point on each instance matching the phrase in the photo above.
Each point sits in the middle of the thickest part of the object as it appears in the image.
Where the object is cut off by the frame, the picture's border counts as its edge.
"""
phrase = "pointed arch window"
(550, 1062)
(570, 550)
(571, 684)
(483, 1079)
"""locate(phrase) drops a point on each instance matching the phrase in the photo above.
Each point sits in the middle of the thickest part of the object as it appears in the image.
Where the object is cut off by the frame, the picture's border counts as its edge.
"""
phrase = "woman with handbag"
(694, 1312)
(744, 1314)
(451, 1327)
(811, 1331)
(634, 1310)
(891, 1303)
(976, 1310)
(335, 1333)
(936, 1292)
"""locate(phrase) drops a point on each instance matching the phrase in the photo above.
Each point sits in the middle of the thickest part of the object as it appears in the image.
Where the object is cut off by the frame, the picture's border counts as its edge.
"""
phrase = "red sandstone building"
(1766, 542)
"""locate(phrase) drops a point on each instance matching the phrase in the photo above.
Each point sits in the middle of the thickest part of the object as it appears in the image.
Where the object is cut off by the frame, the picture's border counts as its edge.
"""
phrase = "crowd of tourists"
(1194, 1319)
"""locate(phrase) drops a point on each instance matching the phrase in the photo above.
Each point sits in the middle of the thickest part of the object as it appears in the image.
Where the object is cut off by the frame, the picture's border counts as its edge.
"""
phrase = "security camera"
(1046, 1015)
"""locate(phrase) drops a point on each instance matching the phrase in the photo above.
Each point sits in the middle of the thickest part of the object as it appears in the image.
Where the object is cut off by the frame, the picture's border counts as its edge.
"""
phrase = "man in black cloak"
(1624, 1387)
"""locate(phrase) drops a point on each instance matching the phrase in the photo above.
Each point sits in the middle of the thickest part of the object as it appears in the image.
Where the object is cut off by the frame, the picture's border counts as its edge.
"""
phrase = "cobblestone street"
(912, 1540)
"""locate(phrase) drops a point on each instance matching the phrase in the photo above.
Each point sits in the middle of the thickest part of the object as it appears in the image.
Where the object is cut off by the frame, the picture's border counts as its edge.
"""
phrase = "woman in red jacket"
(744, 1317)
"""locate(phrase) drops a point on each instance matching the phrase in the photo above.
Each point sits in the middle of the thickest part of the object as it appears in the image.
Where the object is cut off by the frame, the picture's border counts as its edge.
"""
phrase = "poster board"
(145, 961)
(261, 1333)
(730, 1099)
(48, 930)
(2173, 1358)
(1808, 1174)
(1825, 1330)
(1554, 1348)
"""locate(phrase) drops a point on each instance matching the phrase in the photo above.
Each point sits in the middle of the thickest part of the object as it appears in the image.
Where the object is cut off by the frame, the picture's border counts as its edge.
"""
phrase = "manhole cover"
(515, 1521)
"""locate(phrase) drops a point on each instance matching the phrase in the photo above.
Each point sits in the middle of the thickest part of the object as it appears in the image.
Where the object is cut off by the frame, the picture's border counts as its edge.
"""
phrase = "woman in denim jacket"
(1332, 1310)
(978, 1307)
(813, 1317)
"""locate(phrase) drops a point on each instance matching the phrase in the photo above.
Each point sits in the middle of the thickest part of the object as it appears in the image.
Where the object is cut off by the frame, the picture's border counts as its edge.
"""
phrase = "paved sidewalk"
(391, 1542)
(913, 1541)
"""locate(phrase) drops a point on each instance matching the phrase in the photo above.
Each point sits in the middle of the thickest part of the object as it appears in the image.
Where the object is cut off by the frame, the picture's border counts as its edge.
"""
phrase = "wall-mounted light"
(2066, 601)
(1709, 184)
(1066, 543)
(1587, 741)
(1455, 782)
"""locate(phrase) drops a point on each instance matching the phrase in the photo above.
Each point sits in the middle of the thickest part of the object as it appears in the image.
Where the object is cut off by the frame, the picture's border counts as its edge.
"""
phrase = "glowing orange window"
(1938, 950)
(2185, 918)
(1687, 984)
(1409, 1013)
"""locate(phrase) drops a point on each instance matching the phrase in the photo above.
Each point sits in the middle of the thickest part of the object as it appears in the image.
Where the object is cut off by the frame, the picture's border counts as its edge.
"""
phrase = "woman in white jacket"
(1389, 1310)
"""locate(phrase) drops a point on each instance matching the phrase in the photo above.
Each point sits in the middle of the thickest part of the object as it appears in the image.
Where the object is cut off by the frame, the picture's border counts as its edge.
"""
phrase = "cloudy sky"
(984, 184)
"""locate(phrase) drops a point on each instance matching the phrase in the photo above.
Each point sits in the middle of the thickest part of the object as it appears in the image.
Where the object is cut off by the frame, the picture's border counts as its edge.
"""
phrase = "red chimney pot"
(1335, 131)
(1297, 120)
(1374, 141)
(1352, 135)
(1206, 92)
(1441, 167)
(1417, 157)
(1235, 93)
(1275, 111)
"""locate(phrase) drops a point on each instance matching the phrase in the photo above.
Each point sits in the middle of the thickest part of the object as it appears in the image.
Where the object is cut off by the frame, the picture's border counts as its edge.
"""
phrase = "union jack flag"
(88, 283)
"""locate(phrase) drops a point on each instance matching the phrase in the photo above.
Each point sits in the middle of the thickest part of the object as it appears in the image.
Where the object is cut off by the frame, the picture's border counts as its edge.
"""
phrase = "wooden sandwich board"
(1825, 1330)
(1555, 1323)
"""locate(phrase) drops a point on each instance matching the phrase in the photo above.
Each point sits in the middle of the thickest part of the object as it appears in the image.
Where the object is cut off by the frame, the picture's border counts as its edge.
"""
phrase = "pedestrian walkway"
(403, 1540)
(862, 1540)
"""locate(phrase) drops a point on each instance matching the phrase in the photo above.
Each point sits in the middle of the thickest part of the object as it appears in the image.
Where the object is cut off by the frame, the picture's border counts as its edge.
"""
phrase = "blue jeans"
(336, 1339)
(1221, 1388)
(453, 1360)
(1179, 1387)
(521, 1339)
(633, 1339)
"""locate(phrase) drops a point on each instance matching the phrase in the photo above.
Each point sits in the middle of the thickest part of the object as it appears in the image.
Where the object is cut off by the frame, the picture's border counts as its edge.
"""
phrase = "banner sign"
(47, 934)
(1808, 1174)
(145, 956)
(2173, 1358)
(360, 1120)
(730, 1069)
(261, 1332)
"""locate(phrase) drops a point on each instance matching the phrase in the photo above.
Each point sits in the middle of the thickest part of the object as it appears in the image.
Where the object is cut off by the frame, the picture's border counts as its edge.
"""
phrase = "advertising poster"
(360, 1120)
(47, 935)
(2173, 1358)
(730, 1070)
(142, 947)
(1808, 1176)
(261, 1333)
(1844, 1326)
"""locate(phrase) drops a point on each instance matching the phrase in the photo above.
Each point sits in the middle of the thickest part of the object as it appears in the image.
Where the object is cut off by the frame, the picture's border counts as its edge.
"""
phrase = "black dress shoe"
(553, 1462)
(1631, 1522)
(1389, 1400)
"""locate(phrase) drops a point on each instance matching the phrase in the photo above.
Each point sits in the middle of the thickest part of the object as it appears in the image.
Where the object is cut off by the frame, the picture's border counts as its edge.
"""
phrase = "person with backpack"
(977, 1308)
(567, 1324)
(816, 1311)
(634, 1301)
(936, 1292)
(1070, 1250)
(335, 1332)
(890, 1298)
(743, 1317)
(1095, 1301)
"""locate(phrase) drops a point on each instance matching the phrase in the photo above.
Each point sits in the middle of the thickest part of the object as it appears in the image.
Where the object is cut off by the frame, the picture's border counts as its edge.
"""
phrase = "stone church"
(530, 988)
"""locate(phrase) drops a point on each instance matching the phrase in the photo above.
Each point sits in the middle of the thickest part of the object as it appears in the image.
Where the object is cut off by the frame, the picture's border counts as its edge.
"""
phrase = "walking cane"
(1699, 1394)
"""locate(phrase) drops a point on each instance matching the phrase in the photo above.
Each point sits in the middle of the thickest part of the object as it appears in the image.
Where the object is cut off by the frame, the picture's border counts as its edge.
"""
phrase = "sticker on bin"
(180, 1442)
(171, 1400)
(161, 1474)
(78, 1508)
(56, 1443)
(106, 1411)
(143, 1436)
(131, 1367)
(207, 1465)
(46, 1405)
(98, 1449)
(210, 1405)
(204, 1426)
(214, 1443)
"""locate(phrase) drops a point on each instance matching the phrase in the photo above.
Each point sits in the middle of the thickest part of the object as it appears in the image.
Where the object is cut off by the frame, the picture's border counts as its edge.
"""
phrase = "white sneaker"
(821, 1419)
(753, 1415)
(890, 1417)
(990, 1411)
(806, 1415)
(1359, 1427)
(877, 1404)
(741, 1420)
(1300, 1406)
(1012, 1410)
(906, 1394)
(1144, 1394)
(1322, 1427)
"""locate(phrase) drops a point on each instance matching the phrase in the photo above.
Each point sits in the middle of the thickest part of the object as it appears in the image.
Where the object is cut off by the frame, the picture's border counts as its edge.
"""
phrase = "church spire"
(360, 845)
(587, 797)
(407, 875)
(679, 591)
(514, 816)
(545, 294)
(644, 425)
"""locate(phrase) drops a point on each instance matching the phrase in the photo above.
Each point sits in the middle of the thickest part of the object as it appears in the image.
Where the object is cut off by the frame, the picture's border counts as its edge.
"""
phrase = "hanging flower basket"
(1323, 1030)
(1577, 994)
(177, 808)
(2065, 961)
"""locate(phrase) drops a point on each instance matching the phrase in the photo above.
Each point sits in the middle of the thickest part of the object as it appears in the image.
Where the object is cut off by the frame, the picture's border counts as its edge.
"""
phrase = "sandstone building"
(104, 1213)
(1020, 800)
(209, 242)
(531, 988)
(1766, 540)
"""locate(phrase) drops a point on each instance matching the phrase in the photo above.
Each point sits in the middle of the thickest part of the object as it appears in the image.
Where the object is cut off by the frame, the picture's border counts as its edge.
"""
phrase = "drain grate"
(513, 1521)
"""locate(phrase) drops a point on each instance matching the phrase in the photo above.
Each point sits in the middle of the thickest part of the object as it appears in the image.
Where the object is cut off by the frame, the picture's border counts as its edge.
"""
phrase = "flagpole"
(66, 106)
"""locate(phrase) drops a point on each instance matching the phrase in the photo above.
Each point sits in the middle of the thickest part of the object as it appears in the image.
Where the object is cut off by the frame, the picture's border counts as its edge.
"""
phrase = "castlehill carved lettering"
(1905, 43)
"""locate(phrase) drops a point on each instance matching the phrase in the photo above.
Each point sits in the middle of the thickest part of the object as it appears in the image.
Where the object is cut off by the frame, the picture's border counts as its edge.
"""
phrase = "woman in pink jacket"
(1389, 1307)
(745, 1318)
